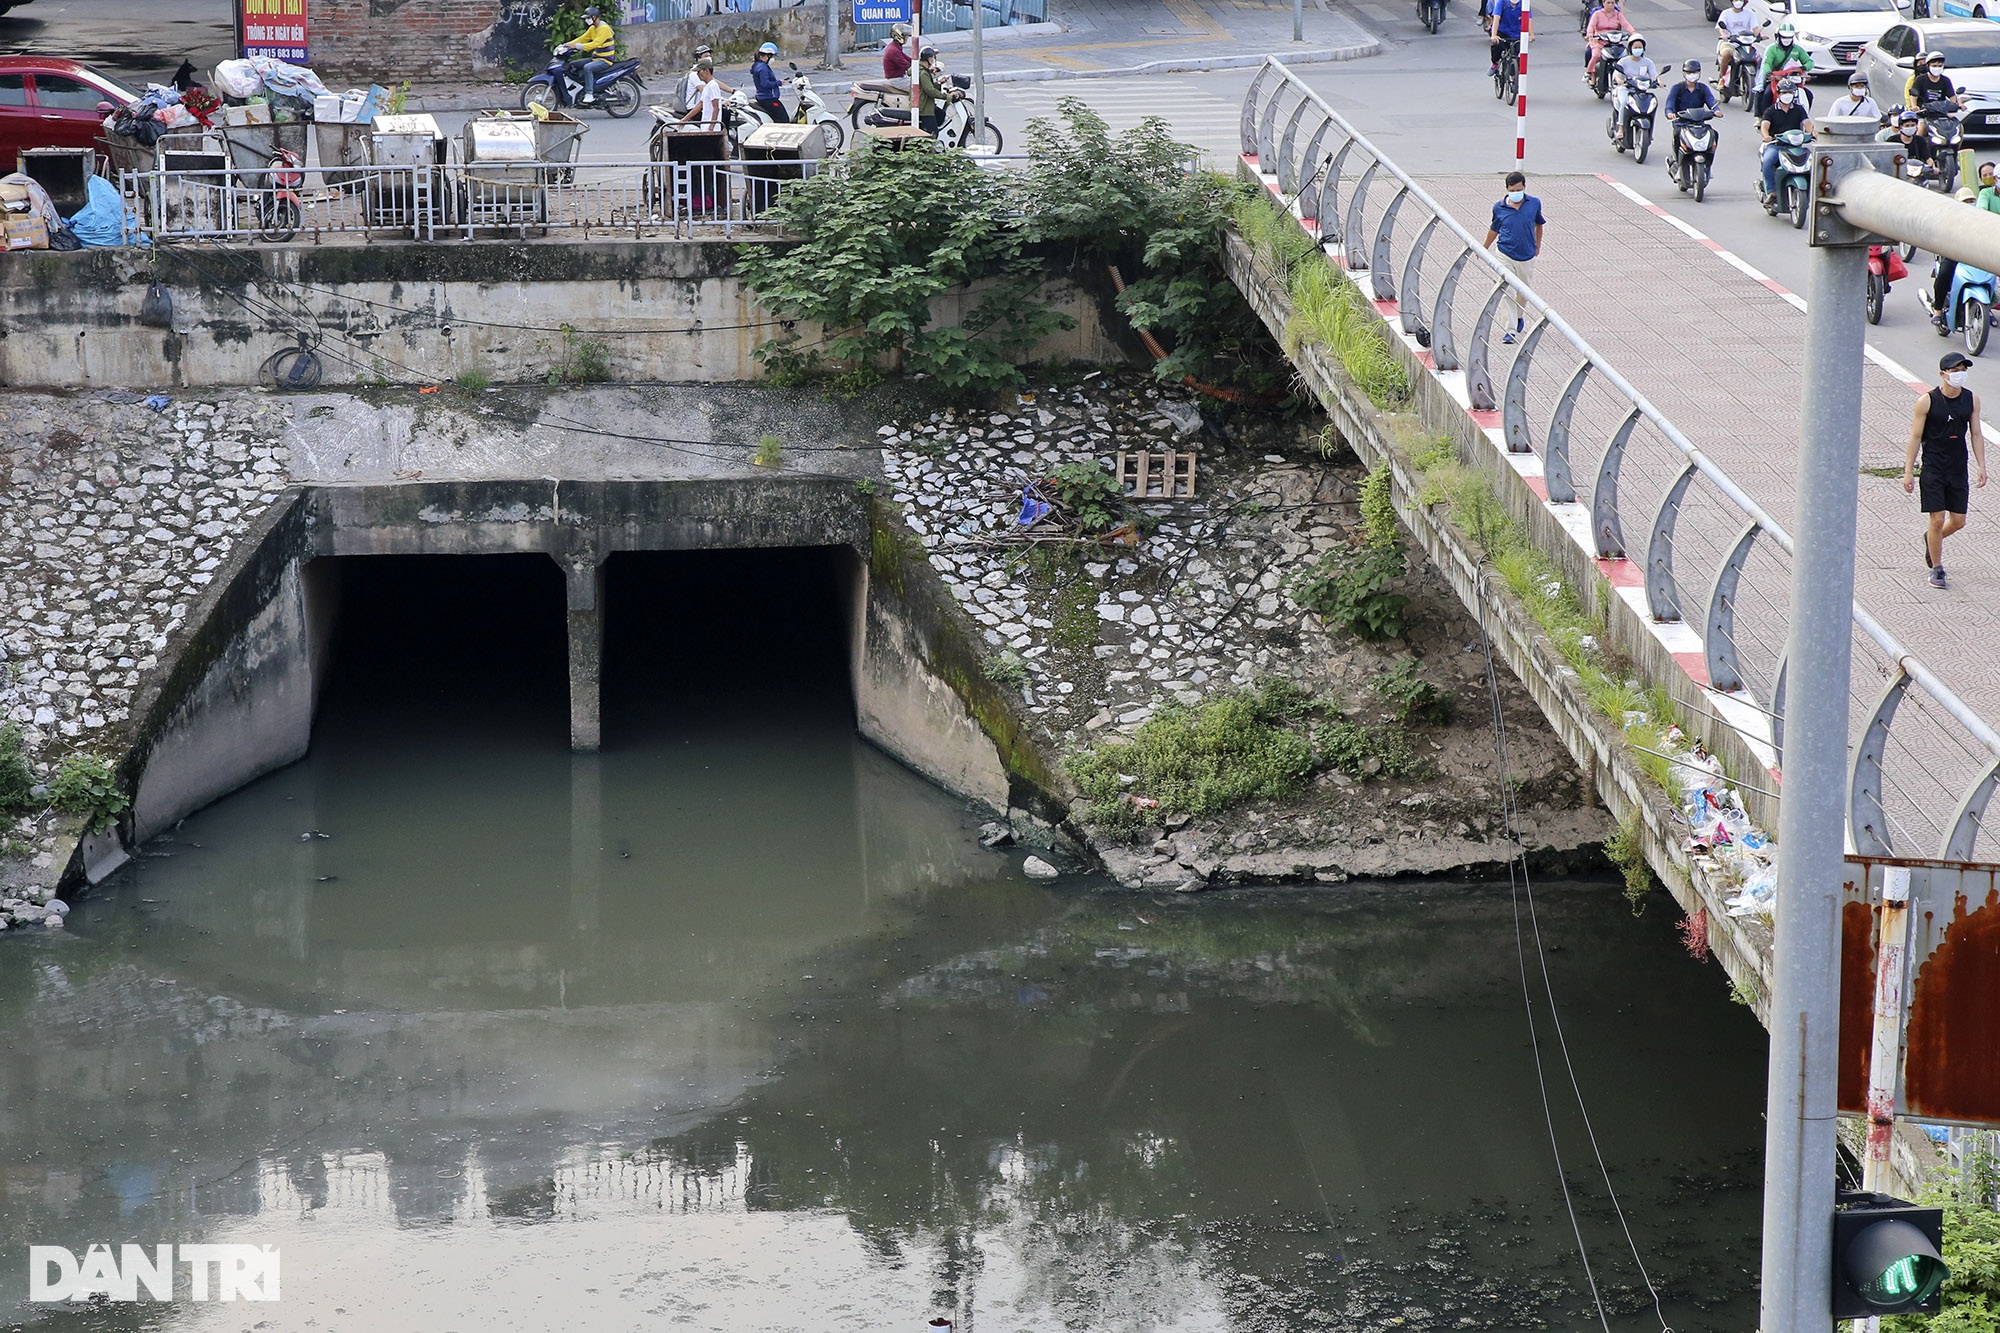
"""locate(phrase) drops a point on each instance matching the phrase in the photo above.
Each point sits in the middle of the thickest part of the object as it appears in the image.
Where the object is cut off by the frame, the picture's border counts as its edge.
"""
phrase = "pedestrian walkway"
(1197, 116)
(1718, 351)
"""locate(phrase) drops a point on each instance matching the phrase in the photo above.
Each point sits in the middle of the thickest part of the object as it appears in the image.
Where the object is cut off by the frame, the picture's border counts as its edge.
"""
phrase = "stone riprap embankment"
(113, 520)
(1101, 635)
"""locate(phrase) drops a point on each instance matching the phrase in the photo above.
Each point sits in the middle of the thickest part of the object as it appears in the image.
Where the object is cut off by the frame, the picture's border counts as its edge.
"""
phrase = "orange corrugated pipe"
(1160, 354)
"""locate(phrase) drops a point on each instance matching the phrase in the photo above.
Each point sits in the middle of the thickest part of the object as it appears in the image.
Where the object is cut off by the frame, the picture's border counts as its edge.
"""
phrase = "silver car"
(1972, 61)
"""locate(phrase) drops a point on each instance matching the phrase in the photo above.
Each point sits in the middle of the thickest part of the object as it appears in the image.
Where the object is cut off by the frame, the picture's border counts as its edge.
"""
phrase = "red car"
(49, 102)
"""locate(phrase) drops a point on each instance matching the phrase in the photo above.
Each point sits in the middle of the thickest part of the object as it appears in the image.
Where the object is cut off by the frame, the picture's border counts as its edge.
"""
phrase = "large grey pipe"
(1876, 201)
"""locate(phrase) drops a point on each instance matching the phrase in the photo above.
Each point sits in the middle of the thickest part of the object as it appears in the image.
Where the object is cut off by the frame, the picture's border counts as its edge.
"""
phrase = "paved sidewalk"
(1087, 38)
(1718, 352)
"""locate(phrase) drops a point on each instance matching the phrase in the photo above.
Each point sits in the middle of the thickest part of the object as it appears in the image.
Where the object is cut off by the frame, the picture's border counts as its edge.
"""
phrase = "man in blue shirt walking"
(1517, 226)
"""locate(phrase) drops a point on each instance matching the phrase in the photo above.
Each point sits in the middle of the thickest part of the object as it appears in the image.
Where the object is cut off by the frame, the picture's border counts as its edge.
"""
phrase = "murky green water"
(736, 1028)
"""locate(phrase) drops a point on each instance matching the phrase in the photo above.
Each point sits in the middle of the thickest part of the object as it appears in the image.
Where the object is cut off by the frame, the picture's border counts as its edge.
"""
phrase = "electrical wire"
(1521, 886)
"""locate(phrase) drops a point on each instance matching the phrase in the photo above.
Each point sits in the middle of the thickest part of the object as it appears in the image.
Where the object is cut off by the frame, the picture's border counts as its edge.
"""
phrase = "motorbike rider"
(932, 94)
(1733, 22)
(1690, 94)
(593, 49)
(1856, 102)
(1503, 26)
(1914, 138)
(1989, 188)
(1609, 18)
(1942, 274)
(1784, 114)
(1928, 84)
(767, 90)
(896, 60)
(1784, 58)
(1634, 64)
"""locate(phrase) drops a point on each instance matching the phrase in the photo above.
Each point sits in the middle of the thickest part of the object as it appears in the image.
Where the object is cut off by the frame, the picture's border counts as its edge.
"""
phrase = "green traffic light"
(1910, 1280)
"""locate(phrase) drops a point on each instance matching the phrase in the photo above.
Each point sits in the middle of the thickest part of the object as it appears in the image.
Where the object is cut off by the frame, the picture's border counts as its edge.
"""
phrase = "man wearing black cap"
(1945, 424)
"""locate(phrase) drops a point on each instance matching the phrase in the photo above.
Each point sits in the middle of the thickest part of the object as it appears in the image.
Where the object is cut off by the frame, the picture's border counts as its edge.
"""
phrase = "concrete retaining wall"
(659, 310)
(1743, 946)
(237, 699)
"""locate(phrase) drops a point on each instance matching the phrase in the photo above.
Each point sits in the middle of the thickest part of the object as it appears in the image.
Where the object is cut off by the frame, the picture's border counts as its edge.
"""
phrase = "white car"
(1971, 61)
(1833, 32)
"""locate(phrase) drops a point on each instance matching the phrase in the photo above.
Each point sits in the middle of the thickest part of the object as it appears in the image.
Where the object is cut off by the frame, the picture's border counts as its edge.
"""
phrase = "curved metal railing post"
(1604, 520)
(1970, 817)
(1514, 413)
(1379, 275)
(1247, 127)
(1309, 193)
(1478, 379)
(1867, 821)
(1444, 344)
(1411, 310)
(1662, 593)
(1351, 229)
(1718, 640)
(1778, 707)
(1288, 175)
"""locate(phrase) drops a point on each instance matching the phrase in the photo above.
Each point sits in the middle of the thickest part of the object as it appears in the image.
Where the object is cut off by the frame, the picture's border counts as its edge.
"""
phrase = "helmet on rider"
(768, 49)
(1635, 45)
(703, 50)
(1908, 121)
(1691, 68)
(591, 13)
(899, 32)
(1787, 35)
(1934, 61)
(1857, 80)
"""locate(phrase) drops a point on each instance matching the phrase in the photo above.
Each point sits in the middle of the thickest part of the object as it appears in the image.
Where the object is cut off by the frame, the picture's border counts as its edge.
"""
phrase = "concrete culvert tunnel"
(689, 642)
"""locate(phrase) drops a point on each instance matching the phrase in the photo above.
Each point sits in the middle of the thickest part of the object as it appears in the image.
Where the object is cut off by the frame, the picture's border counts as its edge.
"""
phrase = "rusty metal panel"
(1951, 1044)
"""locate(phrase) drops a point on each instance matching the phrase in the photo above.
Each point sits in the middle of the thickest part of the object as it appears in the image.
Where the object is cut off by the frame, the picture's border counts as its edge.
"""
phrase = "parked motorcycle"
(1614, 51)
(1691, 150)
(744, 117)
(280, 211)
(1430, 13)
(560, 86)
(873, 95)
(1885, 267)
(955, 122)
(1793, 196)
(1633, 111)
(1971, 313)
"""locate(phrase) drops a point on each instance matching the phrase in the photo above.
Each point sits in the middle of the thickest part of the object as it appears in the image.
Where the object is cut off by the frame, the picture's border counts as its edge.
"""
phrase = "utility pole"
(1521, 84)
(978, 71)
(1799, 1138)
(832, 35)
(1298, 20)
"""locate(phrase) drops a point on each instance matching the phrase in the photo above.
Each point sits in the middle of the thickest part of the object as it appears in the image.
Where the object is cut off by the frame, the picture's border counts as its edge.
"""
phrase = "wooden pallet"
(1145, 475)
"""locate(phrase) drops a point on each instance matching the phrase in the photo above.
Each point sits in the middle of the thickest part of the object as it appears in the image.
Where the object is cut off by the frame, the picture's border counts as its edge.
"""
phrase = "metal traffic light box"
(1886, 1257)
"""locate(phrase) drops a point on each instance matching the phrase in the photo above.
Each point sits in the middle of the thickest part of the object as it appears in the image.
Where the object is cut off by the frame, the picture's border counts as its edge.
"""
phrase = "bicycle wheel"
(291, 368)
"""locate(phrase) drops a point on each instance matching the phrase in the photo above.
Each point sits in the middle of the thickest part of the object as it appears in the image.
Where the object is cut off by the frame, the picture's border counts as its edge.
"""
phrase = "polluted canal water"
(735, 1026)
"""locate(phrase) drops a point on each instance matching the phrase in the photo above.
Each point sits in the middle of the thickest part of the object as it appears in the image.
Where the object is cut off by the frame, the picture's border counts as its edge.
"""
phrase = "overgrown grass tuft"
(17, 780)
(1252, 744)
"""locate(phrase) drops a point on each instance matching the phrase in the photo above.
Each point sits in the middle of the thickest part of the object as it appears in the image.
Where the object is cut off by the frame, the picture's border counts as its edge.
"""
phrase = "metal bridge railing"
(1724, 574)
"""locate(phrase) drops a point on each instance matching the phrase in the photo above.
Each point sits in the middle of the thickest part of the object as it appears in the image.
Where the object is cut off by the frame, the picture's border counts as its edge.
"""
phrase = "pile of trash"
(1725, 845)
(290, 90)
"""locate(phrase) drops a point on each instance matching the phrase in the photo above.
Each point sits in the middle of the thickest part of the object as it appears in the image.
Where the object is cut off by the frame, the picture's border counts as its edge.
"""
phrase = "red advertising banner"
(275, 28)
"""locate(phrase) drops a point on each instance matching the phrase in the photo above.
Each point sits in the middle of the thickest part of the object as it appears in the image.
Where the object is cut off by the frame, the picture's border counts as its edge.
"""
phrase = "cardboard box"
(26, 233)
(254, 113)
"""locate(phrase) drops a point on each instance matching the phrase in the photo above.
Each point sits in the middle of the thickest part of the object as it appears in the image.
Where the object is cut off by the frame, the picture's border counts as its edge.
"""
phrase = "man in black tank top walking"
(1946, 424)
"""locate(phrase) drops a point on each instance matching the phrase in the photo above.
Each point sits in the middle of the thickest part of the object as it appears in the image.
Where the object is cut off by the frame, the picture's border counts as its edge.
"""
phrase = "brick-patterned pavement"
(1719, 354)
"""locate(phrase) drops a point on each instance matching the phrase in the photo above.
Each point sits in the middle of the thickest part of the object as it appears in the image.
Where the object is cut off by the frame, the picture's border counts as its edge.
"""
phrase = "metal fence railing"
(649, 200)
(1924, 762)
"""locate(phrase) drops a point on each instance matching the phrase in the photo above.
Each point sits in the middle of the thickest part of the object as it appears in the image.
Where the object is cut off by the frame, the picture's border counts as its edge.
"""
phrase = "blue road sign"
(881, 11)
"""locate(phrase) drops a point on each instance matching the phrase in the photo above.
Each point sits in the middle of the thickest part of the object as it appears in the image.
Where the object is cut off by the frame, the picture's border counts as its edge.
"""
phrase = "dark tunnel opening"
(440, 644)
(698, 641)
(695, 643)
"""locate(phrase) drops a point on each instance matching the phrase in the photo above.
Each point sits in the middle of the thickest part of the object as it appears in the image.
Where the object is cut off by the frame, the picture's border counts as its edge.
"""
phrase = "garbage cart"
(773, 155)
(501, 177)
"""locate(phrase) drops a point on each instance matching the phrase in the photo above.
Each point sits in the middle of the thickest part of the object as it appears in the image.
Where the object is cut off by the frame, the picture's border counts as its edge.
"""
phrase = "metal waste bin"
(501, 181)
(251, 146)
(774, 154)
(344, 150)
(404, 198)
(64, 172)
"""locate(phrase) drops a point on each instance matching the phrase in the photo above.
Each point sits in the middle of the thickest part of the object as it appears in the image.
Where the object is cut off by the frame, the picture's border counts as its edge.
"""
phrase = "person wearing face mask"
(1733, 22)
(1517, 226)
(1915, 140)
(1989, 188)
(1690, 94)
(1784, 114)
(1784, 59)
(1634, 65)
(1857, 102)
(1945, 424)
(1929, 84)
(1609, 18)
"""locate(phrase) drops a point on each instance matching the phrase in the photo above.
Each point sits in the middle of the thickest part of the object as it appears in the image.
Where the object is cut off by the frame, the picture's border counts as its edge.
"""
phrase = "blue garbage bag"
(1033, 507)
(102, 221)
